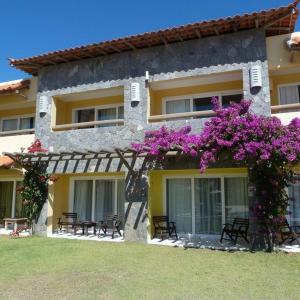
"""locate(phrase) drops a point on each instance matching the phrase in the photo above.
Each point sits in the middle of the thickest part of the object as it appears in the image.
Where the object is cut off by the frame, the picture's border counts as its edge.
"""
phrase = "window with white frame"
(202, 205)
(94, 199)
(17, 123)
(289, 94)
(201, 102)
(294, 204)
(101, 113)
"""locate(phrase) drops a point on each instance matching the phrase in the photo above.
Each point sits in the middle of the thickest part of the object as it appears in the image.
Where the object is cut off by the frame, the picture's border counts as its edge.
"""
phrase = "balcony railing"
(285, 108)
(17, 132)
(186, 115)
(92, 124)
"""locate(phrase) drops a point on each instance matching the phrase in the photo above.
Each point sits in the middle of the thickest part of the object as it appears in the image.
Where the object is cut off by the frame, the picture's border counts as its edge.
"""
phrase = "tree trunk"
(259, 231)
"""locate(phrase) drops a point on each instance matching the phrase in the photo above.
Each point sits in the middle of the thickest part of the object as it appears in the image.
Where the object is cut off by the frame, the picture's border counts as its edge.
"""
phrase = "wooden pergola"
(126, 156)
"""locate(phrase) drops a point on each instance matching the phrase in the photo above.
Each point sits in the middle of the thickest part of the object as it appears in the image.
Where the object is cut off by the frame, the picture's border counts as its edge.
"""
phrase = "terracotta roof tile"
(10, 87)
(275, 21)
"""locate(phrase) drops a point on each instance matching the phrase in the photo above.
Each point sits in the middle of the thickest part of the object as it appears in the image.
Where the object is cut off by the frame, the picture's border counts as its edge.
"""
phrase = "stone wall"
(231, 52)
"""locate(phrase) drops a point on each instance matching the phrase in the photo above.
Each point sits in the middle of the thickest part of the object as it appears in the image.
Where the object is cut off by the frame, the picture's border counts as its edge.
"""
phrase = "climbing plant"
(263, 144)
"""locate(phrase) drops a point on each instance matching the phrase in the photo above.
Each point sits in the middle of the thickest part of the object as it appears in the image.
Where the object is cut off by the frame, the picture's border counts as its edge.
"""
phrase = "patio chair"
(239, 228)
(162, 225)
(287, 232)
(68, 220)
(111, 222)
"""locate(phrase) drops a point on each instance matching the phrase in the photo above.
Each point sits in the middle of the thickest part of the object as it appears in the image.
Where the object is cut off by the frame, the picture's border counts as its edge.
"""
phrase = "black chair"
(287, 232)
(68, 220)
(239, 228)
(162, 225)
(111, 222)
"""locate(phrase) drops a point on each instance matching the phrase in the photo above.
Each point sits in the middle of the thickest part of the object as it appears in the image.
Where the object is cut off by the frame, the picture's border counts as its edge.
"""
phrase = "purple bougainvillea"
(262, 144)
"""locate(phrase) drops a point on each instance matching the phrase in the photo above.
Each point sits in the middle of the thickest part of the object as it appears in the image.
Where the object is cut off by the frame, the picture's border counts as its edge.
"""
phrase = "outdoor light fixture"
(43, 103)
(255, 77)
(135, 92)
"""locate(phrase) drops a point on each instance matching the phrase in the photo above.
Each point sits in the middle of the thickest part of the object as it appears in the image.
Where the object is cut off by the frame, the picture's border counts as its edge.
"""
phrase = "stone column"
(261, 103)
(135, 229)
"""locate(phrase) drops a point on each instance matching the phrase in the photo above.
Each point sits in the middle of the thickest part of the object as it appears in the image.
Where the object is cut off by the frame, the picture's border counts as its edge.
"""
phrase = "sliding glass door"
(208, 206)
(10, 200)
(201, 205)
(94, 199)
(179, 199)
(294, 204)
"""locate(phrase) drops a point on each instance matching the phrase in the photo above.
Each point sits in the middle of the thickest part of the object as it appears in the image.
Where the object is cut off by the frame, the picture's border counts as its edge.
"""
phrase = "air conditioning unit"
(255, 77)
(135, 92)
(43, 104)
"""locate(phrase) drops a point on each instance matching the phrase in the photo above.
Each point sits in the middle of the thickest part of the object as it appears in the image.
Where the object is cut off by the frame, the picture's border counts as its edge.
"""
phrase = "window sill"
(17, 132)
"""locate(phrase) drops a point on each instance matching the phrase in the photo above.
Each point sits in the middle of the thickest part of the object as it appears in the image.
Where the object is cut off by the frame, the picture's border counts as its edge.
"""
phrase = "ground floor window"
(294, 204)
(94, 199)
(10, 201)
(202, 205)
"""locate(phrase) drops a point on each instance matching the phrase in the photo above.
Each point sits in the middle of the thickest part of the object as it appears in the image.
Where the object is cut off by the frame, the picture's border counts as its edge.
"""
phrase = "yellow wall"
(17, 112)
(282, 79)
(64, 109)
(156, 97)
(279, 56)
(10, 173)
(156, 188)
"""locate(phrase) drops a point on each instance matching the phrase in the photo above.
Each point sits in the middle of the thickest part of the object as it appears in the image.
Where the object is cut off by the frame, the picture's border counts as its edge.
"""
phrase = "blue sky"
(36, 26)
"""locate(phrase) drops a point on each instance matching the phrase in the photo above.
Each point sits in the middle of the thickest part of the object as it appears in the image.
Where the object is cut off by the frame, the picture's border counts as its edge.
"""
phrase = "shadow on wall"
(240, 47)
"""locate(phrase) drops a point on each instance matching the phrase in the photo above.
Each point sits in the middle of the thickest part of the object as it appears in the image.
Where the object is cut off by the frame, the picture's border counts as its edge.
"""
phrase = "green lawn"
(40, 268)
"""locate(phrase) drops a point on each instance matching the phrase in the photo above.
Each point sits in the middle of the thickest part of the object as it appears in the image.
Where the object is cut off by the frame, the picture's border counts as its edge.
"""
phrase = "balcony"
(93, 109)
(190, 98)
(286, 113)
(16, 143)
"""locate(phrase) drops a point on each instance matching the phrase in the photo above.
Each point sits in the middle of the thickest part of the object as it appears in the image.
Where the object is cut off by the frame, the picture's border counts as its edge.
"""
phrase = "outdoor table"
(85, 225)
(14, 222)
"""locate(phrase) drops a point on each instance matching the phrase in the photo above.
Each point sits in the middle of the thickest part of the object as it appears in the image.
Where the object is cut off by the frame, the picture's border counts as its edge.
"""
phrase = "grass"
(41, 268)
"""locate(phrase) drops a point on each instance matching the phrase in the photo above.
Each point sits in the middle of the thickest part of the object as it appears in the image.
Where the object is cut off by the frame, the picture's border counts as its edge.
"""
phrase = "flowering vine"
(261, 143)
(34, 189)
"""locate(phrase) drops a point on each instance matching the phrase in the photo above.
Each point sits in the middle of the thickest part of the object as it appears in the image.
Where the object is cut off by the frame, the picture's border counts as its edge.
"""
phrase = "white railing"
(186, 115)
(285, 108)
(14, 143)
(71, 126)
(16, 132)
(286, 113)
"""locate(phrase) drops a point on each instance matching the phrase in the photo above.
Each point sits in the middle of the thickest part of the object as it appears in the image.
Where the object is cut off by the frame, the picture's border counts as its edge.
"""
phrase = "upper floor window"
(101, 113)
(289, 94)
(17, 123)
(202, 102)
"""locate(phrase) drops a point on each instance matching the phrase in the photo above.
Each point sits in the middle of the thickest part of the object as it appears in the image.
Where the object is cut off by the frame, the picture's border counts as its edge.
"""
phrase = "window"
(10, 201)
(18, 123)
(202, 205)
(94, 199)
(100, 114)
(294, 204)
(289, 94)
(199, 102)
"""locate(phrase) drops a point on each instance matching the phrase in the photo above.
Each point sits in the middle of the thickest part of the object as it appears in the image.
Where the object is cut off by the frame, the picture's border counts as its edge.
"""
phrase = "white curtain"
(83, 190)
(236, 198)
(121, 197)
(6, 197)
(289, 94)
(294, 205)
(19, 213)
(179, 199)
(177, 106)
(208, 206)
(104, 200)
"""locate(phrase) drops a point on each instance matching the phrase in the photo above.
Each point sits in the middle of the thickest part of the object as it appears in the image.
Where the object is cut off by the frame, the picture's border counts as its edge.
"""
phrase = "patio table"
(85, 225)
(14, 222)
